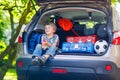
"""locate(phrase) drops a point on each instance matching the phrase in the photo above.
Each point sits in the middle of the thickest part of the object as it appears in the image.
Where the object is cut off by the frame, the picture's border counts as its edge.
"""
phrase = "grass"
(11, 74)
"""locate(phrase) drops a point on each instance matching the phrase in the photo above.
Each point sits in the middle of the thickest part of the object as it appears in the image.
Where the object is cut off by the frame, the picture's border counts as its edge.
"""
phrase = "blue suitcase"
(89, 47)
(77, 47)
(66, 47)
(73, 47)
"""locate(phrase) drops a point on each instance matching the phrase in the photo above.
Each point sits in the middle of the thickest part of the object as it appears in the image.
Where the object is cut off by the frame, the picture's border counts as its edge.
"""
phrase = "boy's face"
(49, 29)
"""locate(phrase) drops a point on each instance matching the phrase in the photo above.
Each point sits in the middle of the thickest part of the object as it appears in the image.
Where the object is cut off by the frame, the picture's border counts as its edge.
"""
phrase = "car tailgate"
(103, 4)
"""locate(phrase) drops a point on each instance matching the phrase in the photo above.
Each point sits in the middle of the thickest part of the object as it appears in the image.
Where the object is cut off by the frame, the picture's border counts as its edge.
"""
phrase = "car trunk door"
(103, 3)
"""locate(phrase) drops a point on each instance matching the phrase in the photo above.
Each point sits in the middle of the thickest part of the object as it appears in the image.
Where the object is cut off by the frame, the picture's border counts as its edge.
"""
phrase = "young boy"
(49, 44)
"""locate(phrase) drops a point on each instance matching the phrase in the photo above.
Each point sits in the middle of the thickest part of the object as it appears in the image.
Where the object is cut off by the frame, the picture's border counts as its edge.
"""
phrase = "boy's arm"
(48, 44)
(56, 42)
(43, 42)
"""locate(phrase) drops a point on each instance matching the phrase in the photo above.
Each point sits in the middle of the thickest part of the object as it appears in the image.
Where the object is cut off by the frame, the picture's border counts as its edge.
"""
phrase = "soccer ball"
(100, 46)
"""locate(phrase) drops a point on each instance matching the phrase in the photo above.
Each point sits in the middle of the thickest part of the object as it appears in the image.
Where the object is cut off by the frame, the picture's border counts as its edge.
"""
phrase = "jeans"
(39, 50)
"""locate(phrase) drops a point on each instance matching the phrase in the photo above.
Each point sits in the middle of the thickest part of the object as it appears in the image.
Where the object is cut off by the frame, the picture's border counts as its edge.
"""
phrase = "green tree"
(18, 11)
(4, 24)
(10, 14)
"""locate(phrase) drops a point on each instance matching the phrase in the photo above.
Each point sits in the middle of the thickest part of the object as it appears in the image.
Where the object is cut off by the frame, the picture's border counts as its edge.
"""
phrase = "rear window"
(87, 34)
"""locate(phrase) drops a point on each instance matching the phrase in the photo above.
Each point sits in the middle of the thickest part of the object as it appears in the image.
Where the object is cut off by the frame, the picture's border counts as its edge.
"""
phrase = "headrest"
(65, 24)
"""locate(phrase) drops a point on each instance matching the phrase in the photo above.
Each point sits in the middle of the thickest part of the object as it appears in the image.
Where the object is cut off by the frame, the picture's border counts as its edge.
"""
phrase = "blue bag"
(73, 47)
(66, 47)
(34, 39)
(89, 47)
(77, 47)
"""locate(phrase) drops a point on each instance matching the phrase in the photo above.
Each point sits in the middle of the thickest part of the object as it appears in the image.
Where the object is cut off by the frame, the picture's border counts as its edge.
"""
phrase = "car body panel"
(79, 68)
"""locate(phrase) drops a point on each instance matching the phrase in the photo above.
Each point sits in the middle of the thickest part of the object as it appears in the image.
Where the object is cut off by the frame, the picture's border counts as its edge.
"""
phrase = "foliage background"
(13, 15)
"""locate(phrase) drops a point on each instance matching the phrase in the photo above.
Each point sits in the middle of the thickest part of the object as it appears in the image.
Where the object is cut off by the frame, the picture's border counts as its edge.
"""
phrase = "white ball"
(100, 46)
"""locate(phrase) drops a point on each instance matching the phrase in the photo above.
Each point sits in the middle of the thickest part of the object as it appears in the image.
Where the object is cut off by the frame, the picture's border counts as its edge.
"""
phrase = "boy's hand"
(44, 44)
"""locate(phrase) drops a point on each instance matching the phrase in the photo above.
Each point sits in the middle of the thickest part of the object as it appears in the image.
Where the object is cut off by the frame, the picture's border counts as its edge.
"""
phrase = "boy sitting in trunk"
(49, 45)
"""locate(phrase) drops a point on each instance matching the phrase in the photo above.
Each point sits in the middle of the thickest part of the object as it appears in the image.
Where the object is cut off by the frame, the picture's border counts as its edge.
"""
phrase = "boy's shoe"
(43, 59)
(35, 61)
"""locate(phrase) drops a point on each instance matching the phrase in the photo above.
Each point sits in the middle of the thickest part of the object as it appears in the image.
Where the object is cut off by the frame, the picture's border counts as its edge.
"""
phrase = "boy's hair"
(52, 25)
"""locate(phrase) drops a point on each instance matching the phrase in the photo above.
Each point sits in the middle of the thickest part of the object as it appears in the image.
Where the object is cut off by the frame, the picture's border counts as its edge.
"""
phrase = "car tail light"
(20, 64)
(116, 41)
(59, 70)
(20, 39)
(116, 38)
(108, 67)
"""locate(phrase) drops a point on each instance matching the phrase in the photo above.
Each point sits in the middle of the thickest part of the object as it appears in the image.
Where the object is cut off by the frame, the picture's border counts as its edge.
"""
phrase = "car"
(89, 47)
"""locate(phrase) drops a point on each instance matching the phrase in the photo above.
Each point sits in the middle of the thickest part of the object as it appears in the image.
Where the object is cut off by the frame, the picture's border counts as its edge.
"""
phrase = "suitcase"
(77, 47)
(34, 39)
(87, 47)
(75, 39)
(66, 47)
(92, 39)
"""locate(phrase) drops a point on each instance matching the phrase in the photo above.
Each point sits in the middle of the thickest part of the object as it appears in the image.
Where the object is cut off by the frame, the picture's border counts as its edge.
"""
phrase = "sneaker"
(43, 59)
(35, 61)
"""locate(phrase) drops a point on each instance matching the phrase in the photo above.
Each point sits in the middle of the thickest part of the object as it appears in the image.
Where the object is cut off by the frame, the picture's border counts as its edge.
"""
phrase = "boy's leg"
(37, 51)
(35, 57)
(51, 51)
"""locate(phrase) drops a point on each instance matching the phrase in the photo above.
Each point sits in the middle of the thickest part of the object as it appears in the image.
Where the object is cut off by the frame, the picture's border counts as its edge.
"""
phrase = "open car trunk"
(88, 35)
(91, 26)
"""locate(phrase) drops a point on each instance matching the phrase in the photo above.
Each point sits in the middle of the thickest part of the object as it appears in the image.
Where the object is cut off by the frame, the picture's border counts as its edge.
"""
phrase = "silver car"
(89, 50)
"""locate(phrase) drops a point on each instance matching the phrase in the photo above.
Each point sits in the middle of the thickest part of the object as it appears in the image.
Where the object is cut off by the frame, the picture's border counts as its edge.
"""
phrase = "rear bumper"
(74, 70)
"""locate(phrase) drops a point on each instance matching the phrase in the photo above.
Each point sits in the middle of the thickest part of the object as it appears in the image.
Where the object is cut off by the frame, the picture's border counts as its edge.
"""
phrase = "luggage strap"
(75, 32)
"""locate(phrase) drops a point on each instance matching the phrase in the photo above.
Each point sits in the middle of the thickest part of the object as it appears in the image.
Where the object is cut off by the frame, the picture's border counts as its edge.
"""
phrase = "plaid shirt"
(54, 40)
